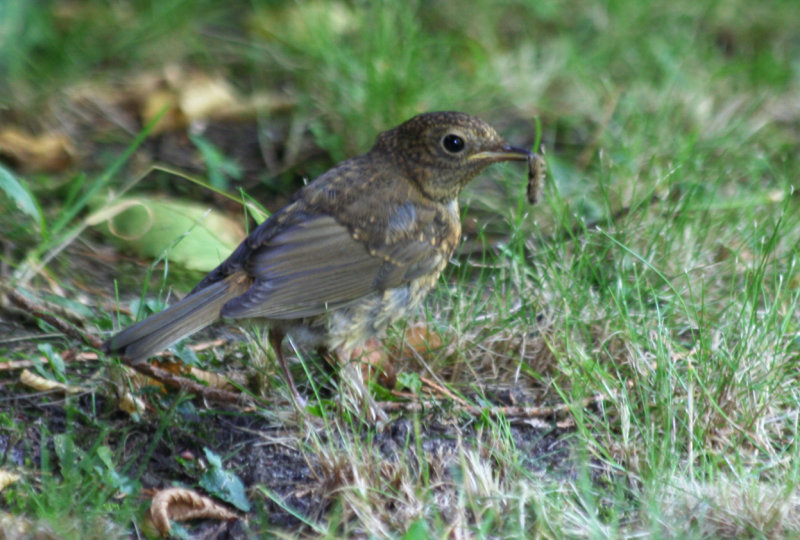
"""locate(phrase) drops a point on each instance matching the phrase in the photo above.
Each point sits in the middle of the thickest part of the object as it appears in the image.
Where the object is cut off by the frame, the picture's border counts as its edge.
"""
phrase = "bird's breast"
(370, 317)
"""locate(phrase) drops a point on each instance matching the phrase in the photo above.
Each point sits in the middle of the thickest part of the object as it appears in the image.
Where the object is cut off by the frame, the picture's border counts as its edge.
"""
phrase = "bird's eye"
(453, 143)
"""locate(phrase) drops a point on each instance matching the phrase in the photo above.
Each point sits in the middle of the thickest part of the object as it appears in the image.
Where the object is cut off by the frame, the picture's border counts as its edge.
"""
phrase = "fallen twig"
(182, 383)
(39, 312)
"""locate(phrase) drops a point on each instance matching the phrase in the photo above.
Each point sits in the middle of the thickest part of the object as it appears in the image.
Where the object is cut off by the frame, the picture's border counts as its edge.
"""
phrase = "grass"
(657, 278)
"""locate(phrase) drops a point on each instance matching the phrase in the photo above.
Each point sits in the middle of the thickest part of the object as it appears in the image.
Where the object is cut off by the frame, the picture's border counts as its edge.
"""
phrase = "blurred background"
(264, 94)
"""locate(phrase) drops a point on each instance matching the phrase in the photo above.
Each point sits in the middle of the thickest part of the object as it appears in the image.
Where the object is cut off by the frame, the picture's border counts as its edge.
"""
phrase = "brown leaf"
(180, 504)
(47, 152)
(153, 103)
(125, 386)
(214, 380)
(131, 404)
(7, 478)
(189, 98)
(419, 338)
(203, 97)
(41, 384)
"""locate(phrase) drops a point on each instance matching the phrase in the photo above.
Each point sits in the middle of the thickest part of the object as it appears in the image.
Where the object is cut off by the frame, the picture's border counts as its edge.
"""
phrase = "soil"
(260, 451)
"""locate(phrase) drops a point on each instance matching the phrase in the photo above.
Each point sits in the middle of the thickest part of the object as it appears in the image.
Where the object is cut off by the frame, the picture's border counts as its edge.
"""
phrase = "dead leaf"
(126, 384)
(419, 338)
(214, 380)
(131, 404)
(7, 478)
(179, 504)
(203, 97)
(153, 103)
(41, 384)
(47, 152)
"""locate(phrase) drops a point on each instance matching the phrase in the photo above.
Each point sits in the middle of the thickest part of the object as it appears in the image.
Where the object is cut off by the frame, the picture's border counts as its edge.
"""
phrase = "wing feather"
(316, 265)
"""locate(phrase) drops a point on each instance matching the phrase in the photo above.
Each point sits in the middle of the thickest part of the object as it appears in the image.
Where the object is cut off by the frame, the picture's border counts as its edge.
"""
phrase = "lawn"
(621, 359)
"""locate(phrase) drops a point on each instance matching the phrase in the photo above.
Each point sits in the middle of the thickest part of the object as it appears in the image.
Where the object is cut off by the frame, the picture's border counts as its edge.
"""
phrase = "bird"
(351, 253)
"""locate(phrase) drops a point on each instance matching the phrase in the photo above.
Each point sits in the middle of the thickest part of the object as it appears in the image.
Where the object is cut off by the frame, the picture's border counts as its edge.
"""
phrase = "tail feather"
(193, 313)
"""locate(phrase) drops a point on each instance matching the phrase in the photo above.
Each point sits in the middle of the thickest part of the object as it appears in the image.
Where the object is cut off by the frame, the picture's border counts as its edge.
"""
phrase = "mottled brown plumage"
(355, 250)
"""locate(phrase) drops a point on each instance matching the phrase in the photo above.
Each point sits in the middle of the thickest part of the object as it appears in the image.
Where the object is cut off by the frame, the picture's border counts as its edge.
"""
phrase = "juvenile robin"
(355, 250)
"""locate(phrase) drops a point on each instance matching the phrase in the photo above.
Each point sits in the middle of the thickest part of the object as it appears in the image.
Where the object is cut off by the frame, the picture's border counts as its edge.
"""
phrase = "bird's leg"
(276, 341)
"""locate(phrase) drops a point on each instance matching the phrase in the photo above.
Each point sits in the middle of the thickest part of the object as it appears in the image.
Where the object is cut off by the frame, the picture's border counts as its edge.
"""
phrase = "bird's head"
(442, 151)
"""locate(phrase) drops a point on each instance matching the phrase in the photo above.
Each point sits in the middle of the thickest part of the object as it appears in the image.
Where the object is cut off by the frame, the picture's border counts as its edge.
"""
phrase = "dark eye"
(453, 143)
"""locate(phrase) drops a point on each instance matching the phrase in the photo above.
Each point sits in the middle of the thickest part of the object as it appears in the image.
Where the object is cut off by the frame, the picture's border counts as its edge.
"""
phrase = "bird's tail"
(193, 313)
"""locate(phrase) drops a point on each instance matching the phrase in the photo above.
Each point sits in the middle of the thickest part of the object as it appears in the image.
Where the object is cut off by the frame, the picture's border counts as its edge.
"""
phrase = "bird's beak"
(505, 152)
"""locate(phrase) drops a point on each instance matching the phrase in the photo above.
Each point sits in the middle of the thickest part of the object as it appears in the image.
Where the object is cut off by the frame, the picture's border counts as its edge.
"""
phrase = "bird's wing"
(315, 265)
